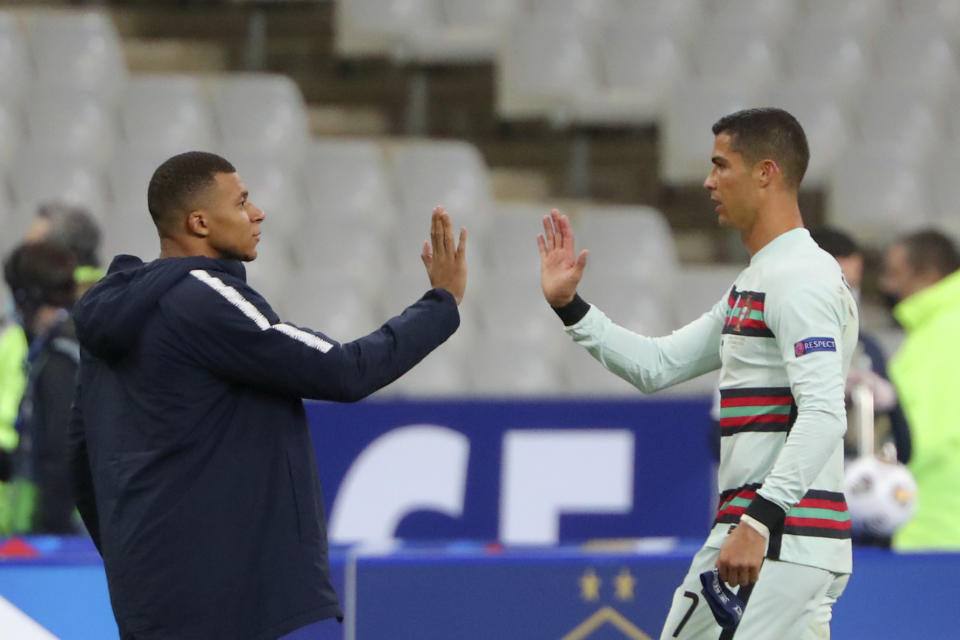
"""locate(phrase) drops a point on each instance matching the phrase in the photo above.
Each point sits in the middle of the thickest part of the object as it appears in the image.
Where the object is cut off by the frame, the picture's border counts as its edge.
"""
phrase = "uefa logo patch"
(811, 345)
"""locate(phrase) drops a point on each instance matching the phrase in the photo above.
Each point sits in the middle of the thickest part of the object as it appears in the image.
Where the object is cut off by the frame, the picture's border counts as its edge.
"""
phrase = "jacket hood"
(111, 315)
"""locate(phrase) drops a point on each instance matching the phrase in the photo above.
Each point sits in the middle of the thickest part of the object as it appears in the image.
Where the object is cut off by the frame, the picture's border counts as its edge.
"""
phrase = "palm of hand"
(560, 268)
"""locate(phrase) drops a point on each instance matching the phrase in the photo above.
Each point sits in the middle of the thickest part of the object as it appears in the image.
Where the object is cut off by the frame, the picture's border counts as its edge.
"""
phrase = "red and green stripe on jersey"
(819, 513)
(745, 314)
(769, 409)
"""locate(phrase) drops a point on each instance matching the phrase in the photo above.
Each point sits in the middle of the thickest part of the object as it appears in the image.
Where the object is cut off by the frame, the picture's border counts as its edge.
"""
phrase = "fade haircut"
(930, 249)
(177, 184)
(835, 242)
(758, 134)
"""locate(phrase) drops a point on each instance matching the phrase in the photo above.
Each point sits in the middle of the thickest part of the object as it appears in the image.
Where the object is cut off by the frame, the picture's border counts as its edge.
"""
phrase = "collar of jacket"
(927, 303)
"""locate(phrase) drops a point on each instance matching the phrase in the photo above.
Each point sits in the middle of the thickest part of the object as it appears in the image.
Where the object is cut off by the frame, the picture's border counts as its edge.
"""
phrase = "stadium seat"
(861, 17)
(166, 112)
(348, 253)
(768, 19)
(505, 368)
(877, 194)
(626, 241)
(829, 54)
(640, 303)
(382, 27)
(465, 31)
(442, 373)
(944, 167)
(542, 67)
(38, 178)
(918, 50)
(680, 19)
(945, 12)
(738, 54)
(585, 376)
(685, 137)
(448, 173)
(511, 245)
(589, 13)
(14, 60)
(329, 305)
(274, 186)
(514, 310)
(73, 124)
(699, 287)
(271, 276)
(78, 50)
(347, 180)
(896, 114)
(824, 121)
(639, 67)
(11, 133)
(130, 231)
(128, 227)
(261, 113)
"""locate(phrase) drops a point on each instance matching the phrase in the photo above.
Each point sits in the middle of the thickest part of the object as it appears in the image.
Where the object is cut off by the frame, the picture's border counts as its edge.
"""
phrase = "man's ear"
(197, 223)
(766, 171)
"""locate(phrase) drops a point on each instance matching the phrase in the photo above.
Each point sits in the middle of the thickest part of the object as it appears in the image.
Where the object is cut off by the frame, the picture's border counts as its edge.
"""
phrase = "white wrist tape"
(756, 525)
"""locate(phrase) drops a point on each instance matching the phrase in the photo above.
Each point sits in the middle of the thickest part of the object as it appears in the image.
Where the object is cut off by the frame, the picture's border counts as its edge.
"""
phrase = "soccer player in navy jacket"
(192, 458)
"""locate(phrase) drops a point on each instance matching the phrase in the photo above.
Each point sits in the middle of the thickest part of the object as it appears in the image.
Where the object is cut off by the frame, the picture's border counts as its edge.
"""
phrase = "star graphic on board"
(590, 585)
(624, 584)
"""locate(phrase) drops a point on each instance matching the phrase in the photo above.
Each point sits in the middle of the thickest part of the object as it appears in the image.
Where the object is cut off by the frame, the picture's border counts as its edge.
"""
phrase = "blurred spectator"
(71, 228)
(869, 365)
(921, 282)
(41, 278)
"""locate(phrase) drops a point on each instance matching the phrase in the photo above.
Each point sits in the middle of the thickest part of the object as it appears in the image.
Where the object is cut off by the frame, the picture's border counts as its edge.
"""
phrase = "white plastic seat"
(945, 12)
(738, 54)
(131, 232)
(699, 287)
(680, 19)
(382, 27)
(271, 276)
(72, 124)
(328, 305)
(464, 31)
(14, 60)
(626, 241)
(514, 311)
(585, 377)
(829, 54)
(11, 133)
(823, 120)
(942, 184)
(638, 303)
(897, 114)
(686, 138)
(38, 178)
(542, 67)
(347, 252)
(441, 374)
(262, 113)
(167, 112)
(877, 195)
(128, 227)
(639, 69)
(80, 50)
(769, 19)
(511, 242)
(347, 181)
(919, 51)
(862, 17)
(274, 187)
(590, 13)
(448, 173)
(510, 369)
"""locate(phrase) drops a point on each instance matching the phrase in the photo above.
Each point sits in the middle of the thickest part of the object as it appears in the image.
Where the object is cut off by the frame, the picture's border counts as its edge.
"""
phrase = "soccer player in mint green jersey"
(782, 336)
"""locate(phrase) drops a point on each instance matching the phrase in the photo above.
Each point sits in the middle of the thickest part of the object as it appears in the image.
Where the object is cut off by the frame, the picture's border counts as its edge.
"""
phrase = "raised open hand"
(560, 268)
(446, 262)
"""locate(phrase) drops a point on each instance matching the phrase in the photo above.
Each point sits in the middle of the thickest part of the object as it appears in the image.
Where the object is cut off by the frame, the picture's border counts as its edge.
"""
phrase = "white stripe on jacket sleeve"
(248, 309)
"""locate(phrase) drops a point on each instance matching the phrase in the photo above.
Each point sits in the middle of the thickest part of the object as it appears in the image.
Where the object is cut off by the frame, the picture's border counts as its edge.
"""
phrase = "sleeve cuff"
(767, 513)
(574, 311)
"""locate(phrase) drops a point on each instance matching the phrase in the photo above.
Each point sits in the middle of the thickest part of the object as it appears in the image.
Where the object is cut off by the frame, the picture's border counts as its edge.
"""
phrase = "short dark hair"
(177, 182)
(757, 134)
(73, 228)
(41, 274)
(835, 242)
(930, 249)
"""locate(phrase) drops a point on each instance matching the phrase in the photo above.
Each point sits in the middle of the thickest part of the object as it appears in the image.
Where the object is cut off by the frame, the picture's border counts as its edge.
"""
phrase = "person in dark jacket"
(41, 280)
(194, 464)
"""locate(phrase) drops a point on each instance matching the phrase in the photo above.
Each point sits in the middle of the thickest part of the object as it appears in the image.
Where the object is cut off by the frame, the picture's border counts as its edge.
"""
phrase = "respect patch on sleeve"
(810, 345)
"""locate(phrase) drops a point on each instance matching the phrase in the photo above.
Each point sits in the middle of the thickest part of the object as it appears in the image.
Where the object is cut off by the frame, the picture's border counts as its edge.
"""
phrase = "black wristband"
(762, 510)
(573, 312)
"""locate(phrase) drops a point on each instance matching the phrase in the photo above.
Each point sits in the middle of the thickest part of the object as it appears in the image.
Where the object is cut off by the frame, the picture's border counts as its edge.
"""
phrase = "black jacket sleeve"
(228, 328)
(80, 470)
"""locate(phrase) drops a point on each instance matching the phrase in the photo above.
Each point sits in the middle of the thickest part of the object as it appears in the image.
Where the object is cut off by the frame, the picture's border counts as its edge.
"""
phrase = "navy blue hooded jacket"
(194, 466)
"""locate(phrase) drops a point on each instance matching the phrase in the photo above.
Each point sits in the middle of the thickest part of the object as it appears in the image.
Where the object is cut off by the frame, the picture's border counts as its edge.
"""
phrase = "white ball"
(882, 496)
